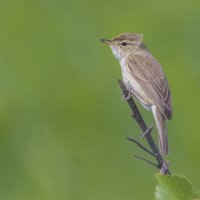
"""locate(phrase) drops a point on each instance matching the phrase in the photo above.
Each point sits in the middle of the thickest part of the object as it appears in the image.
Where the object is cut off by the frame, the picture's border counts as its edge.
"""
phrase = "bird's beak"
(107, 41)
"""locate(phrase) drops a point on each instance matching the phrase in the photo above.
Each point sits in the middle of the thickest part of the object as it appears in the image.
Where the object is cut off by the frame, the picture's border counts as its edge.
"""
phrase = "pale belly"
(133, 86)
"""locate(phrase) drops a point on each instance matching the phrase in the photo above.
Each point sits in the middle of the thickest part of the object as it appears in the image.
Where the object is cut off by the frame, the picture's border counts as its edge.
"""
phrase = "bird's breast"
(133, 86)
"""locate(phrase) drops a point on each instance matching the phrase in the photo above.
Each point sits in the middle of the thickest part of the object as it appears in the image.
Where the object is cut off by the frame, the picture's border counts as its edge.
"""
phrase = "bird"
(144, 79)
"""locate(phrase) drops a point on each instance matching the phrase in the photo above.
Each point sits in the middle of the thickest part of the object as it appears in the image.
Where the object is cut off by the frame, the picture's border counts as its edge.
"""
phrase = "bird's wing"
(149, 75)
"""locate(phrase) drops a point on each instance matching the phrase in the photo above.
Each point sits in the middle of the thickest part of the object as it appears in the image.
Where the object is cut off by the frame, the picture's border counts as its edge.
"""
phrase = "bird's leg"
(148, 131)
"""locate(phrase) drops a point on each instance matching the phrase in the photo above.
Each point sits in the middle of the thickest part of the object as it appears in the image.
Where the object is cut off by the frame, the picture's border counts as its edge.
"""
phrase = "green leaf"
(174, 188)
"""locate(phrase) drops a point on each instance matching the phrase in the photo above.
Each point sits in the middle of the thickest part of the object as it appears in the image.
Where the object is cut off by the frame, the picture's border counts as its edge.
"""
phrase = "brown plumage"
(144, 78)
(148, 73)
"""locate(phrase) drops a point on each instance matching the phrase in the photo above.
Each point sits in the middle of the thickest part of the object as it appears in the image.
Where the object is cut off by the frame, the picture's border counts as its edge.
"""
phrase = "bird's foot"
(126, 97)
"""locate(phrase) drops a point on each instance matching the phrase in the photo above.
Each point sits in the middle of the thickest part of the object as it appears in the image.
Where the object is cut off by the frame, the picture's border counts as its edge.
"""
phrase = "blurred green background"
(63, 126)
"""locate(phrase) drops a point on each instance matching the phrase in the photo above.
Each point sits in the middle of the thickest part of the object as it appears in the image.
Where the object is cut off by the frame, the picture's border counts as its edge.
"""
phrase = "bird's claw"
(125, 98)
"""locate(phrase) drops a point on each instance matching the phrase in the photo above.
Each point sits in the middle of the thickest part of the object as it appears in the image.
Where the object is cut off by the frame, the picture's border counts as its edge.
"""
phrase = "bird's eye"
(124, 43)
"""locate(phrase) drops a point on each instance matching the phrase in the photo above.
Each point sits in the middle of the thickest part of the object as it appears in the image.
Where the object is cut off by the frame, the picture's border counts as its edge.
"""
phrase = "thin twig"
(141, 146)
(138, 117)
(148, 131)
(151, 163)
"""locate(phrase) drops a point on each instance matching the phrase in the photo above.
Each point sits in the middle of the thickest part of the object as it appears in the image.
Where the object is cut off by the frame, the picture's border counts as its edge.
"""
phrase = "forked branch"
(162, 164)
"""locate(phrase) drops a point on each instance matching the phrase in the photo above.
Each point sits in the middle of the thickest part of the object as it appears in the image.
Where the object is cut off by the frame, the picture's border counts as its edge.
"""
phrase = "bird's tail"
(162, 130)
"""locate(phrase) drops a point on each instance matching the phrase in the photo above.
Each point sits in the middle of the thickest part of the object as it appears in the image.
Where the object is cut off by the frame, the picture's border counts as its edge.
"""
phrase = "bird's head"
(123, 44)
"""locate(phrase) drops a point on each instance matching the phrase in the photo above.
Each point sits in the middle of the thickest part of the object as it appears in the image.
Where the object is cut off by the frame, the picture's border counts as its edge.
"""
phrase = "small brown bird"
(144, 78)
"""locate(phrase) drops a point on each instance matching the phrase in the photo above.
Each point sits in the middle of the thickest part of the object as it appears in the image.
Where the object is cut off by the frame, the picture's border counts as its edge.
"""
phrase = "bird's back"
(148, 73)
